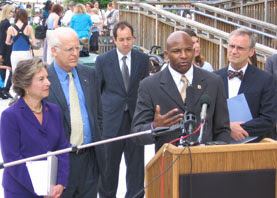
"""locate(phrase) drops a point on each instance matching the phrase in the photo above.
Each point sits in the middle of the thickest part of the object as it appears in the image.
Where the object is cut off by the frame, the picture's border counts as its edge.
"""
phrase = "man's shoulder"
(140, 54)
(153, 79)
(221, 71)
(103, 57)
(85, 69)
(273, 58)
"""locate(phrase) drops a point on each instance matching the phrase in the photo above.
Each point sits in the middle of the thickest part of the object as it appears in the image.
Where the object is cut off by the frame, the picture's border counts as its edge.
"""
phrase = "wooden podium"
(208, 159)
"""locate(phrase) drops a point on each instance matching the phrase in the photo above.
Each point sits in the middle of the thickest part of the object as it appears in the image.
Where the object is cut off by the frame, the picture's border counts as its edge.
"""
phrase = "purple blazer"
(22, 136)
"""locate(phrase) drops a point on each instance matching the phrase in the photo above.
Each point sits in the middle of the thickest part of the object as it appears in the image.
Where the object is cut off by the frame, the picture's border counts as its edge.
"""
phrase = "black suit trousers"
(134, 158)
(83, 175)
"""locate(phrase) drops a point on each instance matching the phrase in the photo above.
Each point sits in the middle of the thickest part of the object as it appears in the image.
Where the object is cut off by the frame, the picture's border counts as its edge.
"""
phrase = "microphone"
(205, 101)
(189, 116)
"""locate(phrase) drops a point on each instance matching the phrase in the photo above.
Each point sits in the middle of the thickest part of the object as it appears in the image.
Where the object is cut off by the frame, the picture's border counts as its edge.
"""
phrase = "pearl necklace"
(36, 111)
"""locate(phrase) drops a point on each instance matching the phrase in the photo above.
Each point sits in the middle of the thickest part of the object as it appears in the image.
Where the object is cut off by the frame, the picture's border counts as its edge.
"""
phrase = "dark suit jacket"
(259, 89)
(114, 95)
(271, 66)
(87, 76)
(22, 136)
(160, 89)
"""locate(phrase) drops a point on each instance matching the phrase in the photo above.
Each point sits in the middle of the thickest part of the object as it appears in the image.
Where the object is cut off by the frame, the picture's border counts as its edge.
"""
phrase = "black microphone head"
(190, 99)
(205, 99)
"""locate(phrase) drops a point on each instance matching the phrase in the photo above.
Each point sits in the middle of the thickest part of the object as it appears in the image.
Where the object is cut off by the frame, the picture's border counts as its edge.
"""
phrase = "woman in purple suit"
(29, 127)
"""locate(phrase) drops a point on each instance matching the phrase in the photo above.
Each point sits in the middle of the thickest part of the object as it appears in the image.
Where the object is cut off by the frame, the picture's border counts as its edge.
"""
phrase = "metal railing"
(153, 25)
(228, 21)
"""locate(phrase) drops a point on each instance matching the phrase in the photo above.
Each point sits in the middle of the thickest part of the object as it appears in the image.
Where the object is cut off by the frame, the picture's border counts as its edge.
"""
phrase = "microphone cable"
(162, 163)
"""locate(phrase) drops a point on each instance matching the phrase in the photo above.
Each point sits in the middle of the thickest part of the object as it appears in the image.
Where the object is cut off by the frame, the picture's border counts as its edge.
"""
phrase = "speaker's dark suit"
(161, 89)
(87, 76)
(259, 89)
(271, 66)
(117, 122)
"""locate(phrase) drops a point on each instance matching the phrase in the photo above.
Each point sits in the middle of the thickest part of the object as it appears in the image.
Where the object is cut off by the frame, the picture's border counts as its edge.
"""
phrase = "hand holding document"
(43, 175)
(239, 112)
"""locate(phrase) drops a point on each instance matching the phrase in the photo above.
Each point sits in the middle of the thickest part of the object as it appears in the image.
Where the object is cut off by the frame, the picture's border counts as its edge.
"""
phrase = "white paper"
(43, 175)
(38, 171)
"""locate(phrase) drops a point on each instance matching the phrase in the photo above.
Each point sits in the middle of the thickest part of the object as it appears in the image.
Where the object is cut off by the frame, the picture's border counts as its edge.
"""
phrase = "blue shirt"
(81, 23)
(64, 80)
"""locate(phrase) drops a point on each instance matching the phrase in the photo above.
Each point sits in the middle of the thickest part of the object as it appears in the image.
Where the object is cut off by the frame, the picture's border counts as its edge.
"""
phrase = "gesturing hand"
(167, 119)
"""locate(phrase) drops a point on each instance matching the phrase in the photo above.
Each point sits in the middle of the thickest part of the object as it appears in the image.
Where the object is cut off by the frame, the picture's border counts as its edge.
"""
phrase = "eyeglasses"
(71, 49)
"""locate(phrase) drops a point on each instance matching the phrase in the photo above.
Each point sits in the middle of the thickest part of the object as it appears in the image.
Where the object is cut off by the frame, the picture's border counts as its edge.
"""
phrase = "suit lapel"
(116, 68)
(198, 83)
(87, 83)
(169, 87)
(134, 66)
(225, 81)
(247, 79)
(58, 92)
(29, 116)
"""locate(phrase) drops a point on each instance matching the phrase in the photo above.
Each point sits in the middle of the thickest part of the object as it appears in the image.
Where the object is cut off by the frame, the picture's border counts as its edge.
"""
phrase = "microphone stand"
(201, 131)
(72, 149)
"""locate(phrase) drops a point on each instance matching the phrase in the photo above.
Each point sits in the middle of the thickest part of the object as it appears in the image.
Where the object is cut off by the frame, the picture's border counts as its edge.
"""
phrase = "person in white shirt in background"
(68, 14)
(102, 16)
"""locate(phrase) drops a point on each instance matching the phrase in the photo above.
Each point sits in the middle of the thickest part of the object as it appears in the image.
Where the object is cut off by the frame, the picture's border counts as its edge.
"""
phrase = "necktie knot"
(124, 58)
(232, 74)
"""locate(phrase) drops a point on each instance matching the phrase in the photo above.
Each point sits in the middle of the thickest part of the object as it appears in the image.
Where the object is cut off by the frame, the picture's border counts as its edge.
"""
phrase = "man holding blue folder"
(258, 87)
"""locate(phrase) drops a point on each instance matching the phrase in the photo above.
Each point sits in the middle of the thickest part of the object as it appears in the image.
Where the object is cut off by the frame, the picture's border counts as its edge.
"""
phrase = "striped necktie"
(184, 88)
(125, 72)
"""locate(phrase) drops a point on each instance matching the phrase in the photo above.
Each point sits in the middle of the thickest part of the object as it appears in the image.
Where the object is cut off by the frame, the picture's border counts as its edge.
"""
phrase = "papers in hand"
(43, 175)
(239, 112)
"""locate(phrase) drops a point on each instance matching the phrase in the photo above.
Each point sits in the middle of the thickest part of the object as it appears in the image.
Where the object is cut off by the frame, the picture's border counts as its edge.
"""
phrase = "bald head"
(179, 51)
(176, 37)
(63, 33)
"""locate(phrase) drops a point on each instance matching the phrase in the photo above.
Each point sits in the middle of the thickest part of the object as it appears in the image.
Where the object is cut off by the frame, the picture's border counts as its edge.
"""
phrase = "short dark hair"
(24, 72)
(22, 16)
(190, 32)
(122, 25)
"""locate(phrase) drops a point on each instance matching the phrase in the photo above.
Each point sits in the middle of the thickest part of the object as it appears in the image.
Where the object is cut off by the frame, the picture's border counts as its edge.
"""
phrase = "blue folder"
(239, 112)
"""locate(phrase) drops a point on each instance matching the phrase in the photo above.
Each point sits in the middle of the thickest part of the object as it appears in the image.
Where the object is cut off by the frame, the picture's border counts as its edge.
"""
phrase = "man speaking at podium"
(161, 96)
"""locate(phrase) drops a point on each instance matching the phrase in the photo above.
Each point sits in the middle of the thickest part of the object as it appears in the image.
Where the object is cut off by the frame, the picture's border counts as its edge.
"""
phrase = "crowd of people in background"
(89, 21)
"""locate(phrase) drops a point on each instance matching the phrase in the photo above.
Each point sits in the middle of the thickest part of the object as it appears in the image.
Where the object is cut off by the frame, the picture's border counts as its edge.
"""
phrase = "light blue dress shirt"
(64, 80)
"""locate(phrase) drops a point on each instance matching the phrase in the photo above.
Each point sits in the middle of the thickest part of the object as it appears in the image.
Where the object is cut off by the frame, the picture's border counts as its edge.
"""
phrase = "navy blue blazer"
(23, 136)
(114, 95)
(259, 89)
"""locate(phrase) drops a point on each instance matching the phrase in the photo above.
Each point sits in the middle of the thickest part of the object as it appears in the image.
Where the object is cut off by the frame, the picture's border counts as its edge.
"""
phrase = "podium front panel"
(239, 184)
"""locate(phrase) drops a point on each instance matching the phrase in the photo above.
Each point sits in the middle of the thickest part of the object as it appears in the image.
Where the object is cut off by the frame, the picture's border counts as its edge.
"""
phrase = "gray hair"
(54, 41)
(24, 73)
(244, 31)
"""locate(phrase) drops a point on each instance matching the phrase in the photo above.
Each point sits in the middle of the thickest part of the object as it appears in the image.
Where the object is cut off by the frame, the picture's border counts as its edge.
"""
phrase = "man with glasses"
(258, 87)
(74, 88)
